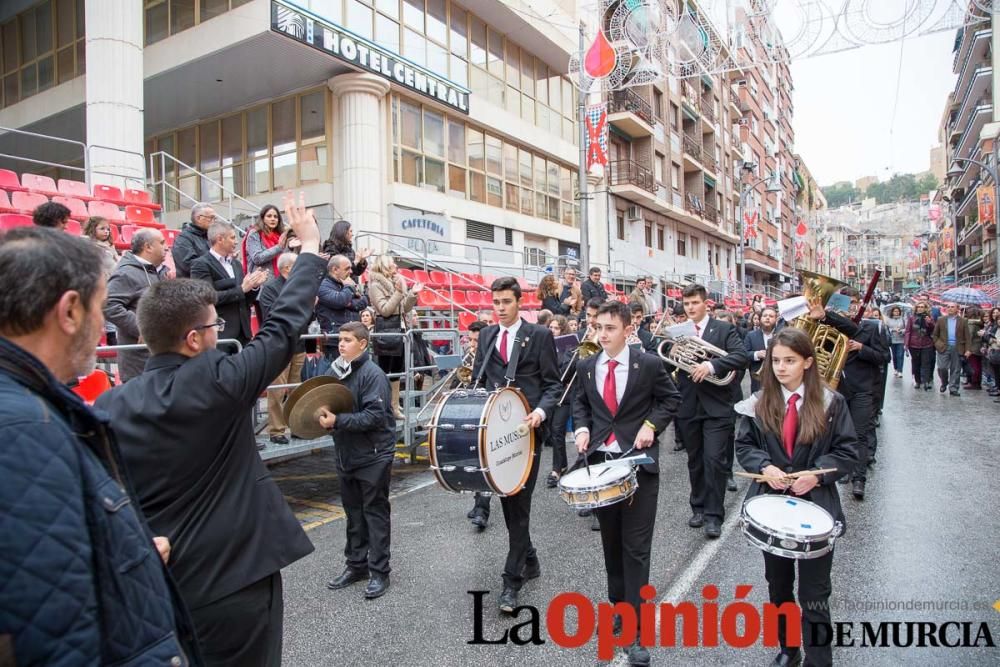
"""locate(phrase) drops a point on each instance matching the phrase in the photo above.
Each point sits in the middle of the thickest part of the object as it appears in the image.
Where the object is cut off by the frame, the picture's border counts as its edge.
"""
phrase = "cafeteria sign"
(312, 31)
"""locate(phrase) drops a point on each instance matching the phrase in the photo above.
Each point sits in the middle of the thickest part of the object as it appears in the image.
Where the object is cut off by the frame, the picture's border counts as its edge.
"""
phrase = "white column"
(114, 92)
(598, 224)
(361, 147)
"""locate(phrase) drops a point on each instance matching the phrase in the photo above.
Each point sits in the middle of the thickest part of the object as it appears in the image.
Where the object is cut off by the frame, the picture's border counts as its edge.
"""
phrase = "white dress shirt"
(621, 380)
(800, 390)
(226, 264)
(702, 326)
(767, 339)
(511, 335)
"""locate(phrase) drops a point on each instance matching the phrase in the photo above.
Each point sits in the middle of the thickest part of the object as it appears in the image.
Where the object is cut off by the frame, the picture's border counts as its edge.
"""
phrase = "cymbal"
(301, 414)
(306, 387)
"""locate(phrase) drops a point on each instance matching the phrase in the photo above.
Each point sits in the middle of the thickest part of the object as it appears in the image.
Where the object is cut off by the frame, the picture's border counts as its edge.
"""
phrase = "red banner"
(750, 225)
(987, 199)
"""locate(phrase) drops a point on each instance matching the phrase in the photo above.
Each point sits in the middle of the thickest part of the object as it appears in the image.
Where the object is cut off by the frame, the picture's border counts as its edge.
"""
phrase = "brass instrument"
(464, 374)
(587, 348)
(687, 352)
(829, 344)
(666, 319)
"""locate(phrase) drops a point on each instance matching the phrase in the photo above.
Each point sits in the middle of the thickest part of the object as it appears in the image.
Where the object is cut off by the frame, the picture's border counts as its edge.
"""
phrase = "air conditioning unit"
(634, 214)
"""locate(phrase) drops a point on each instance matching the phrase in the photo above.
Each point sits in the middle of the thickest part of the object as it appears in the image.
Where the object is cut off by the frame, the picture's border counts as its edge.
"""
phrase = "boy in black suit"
(526, 352)
(624, 397)
(706, 420)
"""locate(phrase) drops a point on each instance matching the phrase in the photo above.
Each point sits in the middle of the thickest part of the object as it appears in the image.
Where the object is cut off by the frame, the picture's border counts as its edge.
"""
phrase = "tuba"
(829, 344)
(686, 352)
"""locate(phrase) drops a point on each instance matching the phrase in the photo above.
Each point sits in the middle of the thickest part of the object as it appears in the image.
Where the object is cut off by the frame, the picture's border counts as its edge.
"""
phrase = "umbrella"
(905, 307)
(965, 296)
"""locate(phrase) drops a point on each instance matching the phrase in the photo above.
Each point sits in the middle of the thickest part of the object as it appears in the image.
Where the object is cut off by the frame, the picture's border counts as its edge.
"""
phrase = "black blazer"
(757, 448)
(713, 400)
(555, 306)
(537, 368)
(187, 439)
(862, 367)
(231, 302)
(650, 395)
(754, 342)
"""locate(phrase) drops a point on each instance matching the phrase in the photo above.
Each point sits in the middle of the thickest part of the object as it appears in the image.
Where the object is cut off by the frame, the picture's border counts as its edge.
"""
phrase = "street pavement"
(922, 546)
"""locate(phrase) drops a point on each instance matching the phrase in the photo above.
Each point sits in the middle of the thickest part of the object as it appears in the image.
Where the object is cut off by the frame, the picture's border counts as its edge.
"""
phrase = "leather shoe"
(584, 512)
(479, 520)
(713, 528)
(943, 388)
(377, 586)
(279, 439)
(552, 481)
(787, 659)
(638, 656)
(508, 600)
(678, 446)
(532, 569)
(346, 578)
(955, 393)
(928, 386)
(697, 520)
(858, 489)
(730, 484)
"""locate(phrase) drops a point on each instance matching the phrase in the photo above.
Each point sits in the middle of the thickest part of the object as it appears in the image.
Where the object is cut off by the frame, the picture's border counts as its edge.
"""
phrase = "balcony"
(709, 161)
(980, 115)
(631, 114)
(711, 213)
(971, 231)
(706, 111)
(979, 90)
(630, 172)
(982, 37)
(692, 152)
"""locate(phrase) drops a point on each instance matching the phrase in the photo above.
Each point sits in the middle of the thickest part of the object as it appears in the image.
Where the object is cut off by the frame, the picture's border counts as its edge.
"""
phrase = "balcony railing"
(987, 71)
(709, 161)
(707, 112)
(692, 147)
(968, 58)
(710, 213)
(630, 172)
(967, 132)
(632, 102)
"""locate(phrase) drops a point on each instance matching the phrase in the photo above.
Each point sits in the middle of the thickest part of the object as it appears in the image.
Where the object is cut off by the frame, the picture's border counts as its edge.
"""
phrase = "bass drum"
(479, 441)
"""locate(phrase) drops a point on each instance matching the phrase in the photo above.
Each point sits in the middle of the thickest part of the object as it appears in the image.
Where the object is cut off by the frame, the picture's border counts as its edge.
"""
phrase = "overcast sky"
(844, 127)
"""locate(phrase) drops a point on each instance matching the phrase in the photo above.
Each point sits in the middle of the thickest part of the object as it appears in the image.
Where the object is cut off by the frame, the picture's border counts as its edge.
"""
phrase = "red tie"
(697, 330)
(791, 425)
(503, 346)
(611, 396)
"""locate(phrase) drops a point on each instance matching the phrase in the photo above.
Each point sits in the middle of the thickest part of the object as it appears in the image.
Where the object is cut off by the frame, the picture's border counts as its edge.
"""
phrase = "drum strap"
(515, 356)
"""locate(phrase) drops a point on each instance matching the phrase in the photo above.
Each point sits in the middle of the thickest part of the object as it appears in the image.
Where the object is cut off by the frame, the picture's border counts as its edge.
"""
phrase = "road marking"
(314, 504)
(338, 512)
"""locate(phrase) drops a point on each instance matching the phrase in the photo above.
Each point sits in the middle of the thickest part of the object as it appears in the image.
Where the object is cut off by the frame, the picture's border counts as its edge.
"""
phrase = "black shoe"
(843, 480)
(508, 600)
(584, 512)
(713, 528)
(479, 520)
(787, 659)
(954, 393)
(697, 520)
(858, 489)
(377, 586)
(346, 578)
(532, 569)
(678, 446)
(993, 392)
(279, 439)
(928, 386)
(552, 481)
(943, 388)
(471, 513)
(638, 656)
(594, 523)
(730, 484)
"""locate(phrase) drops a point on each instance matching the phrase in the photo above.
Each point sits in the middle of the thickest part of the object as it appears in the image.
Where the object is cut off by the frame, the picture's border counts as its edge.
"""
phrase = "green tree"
(841, 193)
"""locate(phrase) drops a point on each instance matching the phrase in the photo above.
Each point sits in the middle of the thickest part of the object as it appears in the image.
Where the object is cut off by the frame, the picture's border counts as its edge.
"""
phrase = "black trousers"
(922, 364)
(244, 628)
(860, 405)
(557, 437)
(814, 600)
(365, 494)
(709, 445)
(627, 538)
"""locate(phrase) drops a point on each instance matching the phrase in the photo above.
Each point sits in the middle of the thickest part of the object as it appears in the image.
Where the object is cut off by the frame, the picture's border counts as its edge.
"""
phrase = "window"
(695, 249)
(658, 105)
(41, 47)
(681, 244)
(621, 226)
(169, 17)
(660, 240)
(649, 234)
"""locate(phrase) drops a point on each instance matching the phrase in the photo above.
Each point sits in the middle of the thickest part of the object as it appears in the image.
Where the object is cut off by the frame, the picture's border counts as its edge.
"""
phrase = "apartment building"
(810, 207)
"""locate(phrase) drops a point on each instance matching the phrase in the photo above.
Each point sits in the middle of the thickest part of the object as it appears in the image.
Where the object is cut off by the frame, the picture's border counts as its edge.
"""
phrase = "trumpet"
(666, 319)
(464, 374)
(588, 347)
(686, 352)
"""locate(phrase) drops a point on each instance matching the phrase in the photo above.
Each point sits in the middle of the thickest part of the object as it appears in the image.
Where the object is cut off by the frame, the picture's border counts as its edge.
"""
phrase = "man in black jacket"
(624, 398)
(536, 374)
(859, 377)
(706, 421)
(592, 287)
(234, 292)
(292, 373)
(757, 340)
(340, 299)
(188, 442)
(366, 443)
(192, 242)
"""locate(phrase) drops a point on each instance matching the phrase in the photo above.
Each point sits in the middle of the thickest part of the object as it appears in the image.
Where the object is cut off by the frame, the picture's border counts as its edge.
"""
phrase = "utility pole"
(582, 196)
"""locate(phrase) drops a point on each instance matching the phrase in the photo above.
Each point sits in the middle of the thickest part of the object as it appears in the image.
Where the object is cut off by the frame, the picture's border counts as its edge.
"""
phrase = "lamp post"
(992, 171)
(773, 186)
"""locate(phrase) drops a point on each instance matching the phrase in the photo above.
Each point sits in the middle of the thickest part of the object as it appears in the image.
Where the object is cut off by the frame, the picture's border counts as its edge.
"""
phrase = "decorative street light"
(774, 185)
(990, 169)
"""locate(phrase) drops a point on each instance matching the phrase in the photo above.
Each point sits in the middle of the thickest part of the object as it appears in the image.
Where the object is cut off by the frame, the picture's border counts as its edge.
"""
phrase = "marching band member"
(525, 352)
(557, 424)
(795, 423)
(706, 419)
(624, 397)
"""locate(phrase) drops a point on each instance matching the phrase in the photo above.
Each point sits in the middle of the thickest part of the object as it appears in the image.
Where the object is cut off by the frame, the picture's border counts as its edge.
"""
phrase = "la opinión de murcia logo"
(738, 624)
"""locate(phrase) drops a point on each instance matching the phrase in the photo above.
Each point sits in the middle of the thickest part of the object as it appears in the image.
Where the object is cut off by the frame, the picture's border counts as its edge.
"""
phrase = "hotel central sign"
(324, 36)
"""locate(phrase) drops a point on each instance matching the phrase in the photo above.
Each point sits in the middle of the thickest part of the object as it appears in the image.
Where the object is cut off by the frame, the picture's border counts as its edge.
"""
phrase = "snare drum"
(479, 441)
(788, 526)
(605, 484)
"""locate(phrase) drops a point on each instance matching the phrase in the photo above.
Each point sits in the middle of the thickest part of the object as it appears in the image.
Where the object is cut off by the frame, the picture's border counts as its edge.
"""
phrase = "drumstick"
(621, 457)
(791, 475)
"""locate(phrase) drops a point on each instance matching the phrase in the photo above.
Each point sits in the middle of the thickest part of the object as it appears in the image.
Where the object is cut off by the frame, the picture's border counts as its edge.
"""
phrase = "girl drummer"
(796, 423)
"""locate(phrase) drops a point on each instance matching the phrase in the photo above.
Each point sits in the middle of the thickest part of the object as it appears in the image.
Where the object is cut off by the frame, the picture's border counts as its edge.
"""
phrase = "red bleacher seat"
(429, 299)
(140, 215)
(77, 209)
(407, 275)
(465, 319)
(73, 227)
(459, 298)
(27, 202)
(124, 241)
(5, 206)
(439, 279)
(9, 181)
(140, 198)
(475, 298)
(171, 235)
(421, 276)
(12, 220)
(530, 316)
(76, 189)
(106, 210)
(475, 281)
(109, 193)
(38, 183)
(93, 386)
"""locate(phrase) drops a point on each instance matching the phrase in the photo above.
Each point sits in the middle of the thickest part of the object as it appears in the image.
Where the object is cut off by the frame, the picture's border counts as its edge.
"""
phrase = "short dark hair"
(50, 214)
(477, 325)
(594, 302)
(38, 266)
(636, 308)
(678, 310)
(593, 269)
(616, 309)
(771, 308)
(356, 329)
(507, 283)
(170, 309)
(695, 290)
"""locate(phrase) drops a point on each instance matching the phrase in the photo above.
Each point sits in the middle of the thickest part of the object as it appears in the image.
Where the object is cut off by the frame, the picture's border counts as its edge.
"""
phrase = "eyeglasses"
(219, 324)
